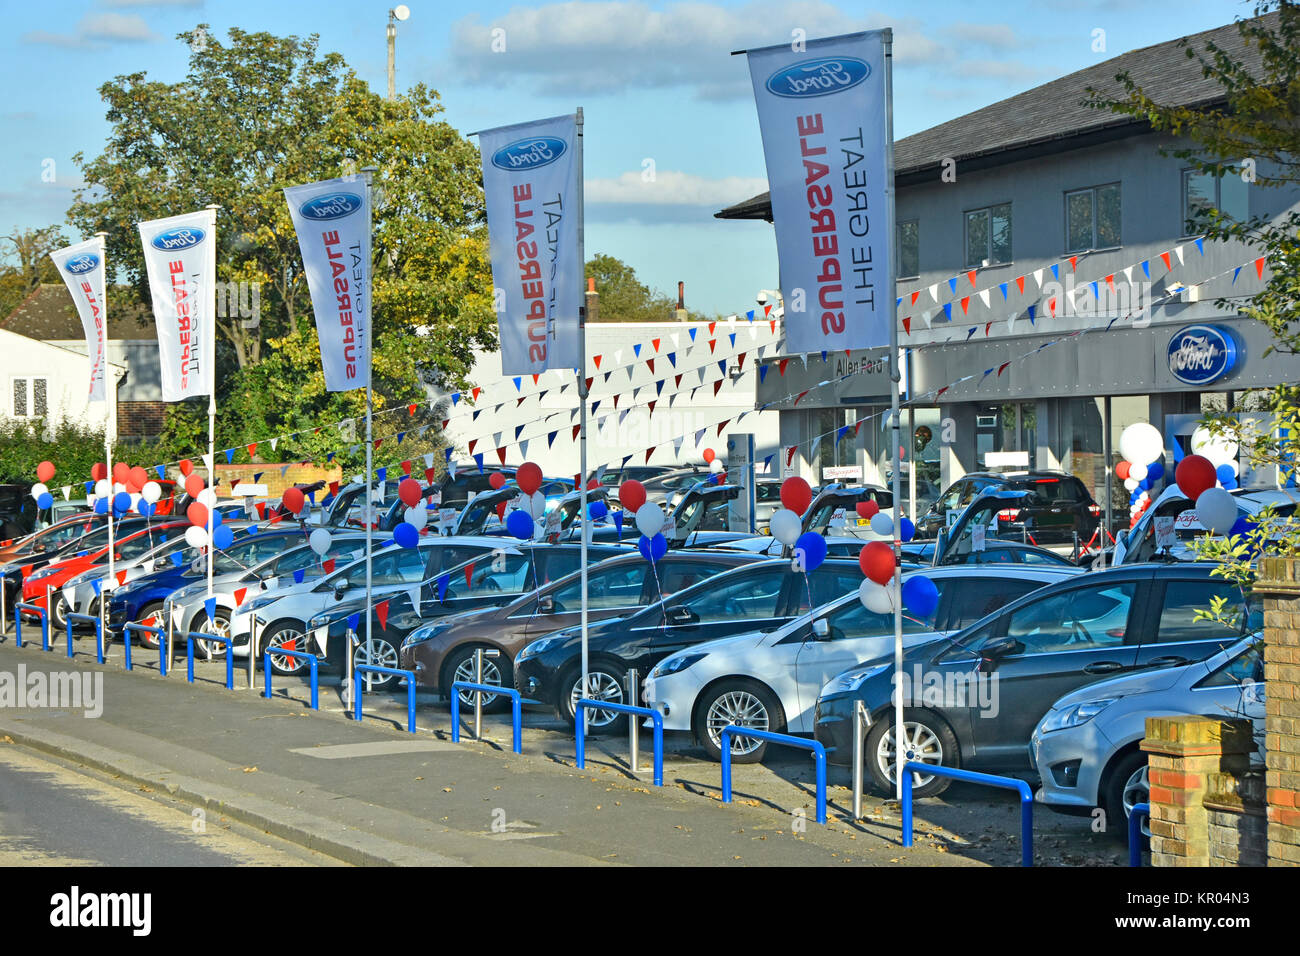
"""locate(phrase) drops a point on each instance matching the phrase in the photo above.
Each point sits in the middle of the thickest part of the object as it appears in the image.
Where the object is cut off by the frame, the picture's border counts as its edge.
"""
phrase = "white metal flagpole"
(210, 306)
(895, 451)
(108, 447)
(584, 527)
(369, 516)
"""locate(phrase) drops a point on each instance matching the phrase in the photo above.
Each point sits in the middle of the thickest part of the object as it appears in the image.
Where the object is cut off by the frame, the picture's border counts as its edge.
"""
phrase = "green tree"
(26, 263)
(1253, 130)
(623, 297)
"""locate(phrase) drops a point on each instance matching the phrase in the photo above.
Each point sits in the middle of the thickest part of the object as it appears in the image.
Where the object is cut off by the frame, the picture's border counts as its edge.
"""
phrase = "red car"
(57, 573)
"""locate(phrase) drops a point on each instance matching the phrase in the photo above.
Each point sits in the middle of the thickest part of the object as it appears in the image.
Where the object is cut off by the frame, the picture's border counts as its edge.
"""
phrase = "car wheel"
(219, 625)
(377, 652)
(151, 615)
(290, 636)
(927, 739)
(742, 703)
(61, 611)
(1126, 786)
(496, 671)
(606, 685)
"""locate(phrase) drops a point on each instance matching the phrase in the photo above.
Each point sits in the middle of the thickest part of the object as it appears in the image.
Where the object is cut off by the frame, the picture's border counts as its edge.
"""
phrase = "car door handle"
(1102, 667)
(1167, 662)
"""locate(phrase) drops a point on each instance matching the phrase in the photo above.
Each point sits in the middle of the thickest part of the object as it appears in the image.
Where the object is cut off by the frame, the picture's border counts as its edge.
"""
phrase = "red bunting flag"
(1051, 306)
(651, 363)
(780, 366)
(476, 392)
(469, 573)
(916, 295)
(576, 428)
(327, 565)
(965, 304)
(941, 391)
(712, 326)
(970, 276)
(1002, 368)
(536, 378)
(801, 395)
(1020, 284)
(1074, 263)
(655, 343)
(596, 359)
(261, 509)
(987, 326)
(767, 309)
(410, 409)
(717, 386)
(651, 406)
(722, 426)
(252, 449)
(334, 487)
(472, 443)
(1110, 281)
(428, 475)
(712, 344)
(1259, 268)
(406, 467)
(1164, 256)
(381, 612)
(239, 596)
(740, 360)
(589, 381)
(648, 452)
(677, 381)
(789, 454)
(772, 325)
(446, 422)
(501, 453)
(501, 510)
(121, 577)
(378, 442)
(907, 325)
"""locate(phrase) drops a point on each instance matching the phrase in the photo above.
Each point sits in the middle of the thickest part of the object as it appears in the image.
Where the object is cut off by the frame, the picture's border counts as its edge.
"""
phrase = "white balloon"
(882, 524)
(39, 489)
(207, 497)
(417, 516)
(152, 491)
(649, 519)
(1220, 450)
(876, 597)
(1130, 484)
(716, 466)
(195, 536)
(102, 488)
(1137, 472)
(1216, 510)
(319, 540)
(535, 504)
(784, 525)
(1141, 443)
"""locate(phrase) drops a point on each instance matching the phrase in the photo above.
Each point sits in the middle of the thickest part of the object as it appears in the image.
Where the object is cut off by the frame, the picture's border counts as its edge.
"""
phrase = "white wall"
(67, 375)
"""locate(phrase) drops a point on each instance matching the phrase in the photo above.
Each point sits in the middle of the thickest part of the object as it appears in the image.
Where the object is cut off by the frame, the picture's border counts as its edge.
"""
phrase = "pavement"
(370, 793)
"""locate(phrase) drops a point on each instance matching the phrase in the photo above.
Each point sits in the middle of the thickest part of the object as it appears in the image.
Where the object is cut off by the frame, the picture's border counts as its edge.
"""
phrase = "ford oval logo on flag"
(529, 153)
(1201, 354)
(175, 239)
(331, 206)
(819, 77)
(82, 264)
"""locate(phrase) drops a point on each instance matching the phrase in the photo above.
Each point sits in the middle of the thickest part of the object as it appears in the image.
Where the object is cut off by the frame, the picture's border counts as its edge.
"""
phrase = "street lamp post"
(399, 12)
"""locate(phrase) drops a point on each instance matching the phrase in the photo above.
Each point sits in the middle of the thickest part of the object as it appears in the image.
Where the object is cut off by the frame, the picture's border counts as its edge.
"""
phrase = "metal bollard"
(478, 695)
(861, 724)
(633, 725)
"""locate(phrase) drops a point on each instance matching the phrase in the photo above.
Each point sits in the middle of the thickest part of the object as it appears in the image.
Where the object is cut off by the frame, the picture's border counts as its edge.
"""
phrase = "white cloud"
(97, 29)
(673, 188)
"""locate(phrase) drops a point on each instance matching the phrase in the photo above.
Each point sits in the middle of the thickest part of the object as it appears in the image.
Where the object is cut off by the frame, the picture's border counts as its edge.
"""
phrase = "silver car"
(1086, 748)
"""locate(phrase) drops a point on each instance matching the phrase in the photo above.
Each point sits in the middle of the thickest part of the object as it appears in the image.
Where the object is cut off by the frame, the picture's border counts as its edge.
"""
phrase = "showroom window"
(988, 236)
(1092, 218)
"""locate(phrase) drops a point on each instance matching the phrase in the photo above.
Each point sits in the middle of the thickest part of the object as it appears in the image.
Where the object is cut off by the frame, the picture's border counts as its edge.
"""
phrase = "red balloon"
(409, 491)
(867, 509)
(45, 471)
(294, 499)
(193, 485)
(186, 466)
(98, 471)
(197, 512)
(877, 561)
(631, 494)
(796, 494)
(497, 480)
(139, 478)
(1195, 474)
(528, 477)
(709, 455)
(121, 472)
(1121, 470)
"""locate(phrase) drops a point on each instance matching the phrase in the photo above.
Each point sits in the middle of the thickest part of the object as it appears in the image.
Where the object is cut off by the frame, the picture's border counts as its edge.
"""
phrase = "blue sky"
(655, 80)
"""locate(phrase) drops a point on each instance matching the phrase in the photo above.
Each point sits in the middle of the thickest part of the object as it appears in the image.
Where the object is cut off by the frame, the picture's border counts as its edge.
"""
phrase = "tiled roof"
(49, 315)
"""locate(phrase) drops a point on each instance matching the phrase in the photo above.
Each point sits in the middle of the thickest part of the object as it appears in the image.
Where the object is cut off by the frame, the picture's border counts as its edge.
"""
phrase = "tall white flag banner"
(823, 114)
(181, 261)
(82, 268)
(332, 219)
(530, 177)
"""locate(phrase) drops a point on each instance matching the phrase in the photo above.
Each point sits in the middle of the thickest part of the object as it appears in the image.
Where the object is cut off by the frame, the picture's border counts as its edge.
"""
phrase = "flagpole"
(368, 172)
(210, 307)
(582, 423)
(108, 443)
(895, 451)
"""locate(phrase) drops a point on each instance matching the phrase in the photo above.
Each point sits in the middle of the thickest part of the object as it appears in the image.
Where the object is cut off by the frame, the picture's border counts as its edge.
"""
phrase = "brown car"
(442, 651)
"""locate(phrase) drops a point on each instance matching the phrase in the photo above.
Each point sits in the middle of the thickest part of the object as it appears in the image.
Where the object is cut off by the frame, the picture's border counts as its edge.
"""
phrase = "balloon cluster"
(44, 472)
(1198, 479)
(203, 505)
(717, 470)
(414, 518)
(530, 506)
(1142, 447)
(879, 593)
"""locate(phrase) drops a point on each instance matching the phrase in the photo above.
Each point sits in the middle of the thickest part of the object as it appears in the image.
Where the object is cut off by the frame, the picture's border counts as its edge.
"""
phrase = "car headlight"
(42, 573)
(424, 633)
(1075, 714)
(257, 603)
(850, 681)
(539, 646)
(676, 663)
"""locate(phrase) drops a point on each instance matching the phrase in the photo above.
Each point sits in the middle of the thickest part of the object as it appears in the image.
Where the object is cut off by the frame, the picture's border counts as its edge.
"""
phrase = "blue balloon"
(1228, 483)
(813, 547)
(1240, 526)
(101, 506)
(1155, 471)
(145, 508)
(906, 529)
(520, 523)
(216, 517)
(122, 502)
(652, 549)
(223, 538)
(1225, 474)
(406, 534)
(598, 510)
(920, 596)
(45, 500)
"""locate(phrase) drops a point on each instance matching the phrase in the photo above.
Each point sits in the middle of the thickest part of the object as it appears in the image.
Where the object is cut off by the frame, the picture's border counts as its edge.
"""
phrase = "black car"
(973, 699)
(18, 511)
(760, 596)
(995, 552)
(1056, 507)
(491, 577)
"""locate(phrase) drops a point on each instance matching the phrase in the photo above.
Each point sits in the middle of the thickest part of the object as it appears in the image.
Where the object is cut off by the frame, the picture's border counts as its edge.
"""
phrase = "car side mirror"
(821, 629)
(999, 647)
(546, 604)
(680, 614)
(340, 588)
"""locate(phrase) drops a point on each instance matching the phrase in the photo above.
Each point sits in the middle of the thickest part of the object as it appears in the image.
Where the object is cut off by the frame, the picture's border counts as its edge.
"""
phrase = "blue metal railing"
(1135, 816)
(39, 612)
(818, 752)
(376, 669)
(516, 710)
(311, 663)
(192, 636)
(157, 632)
(99, 634)
(983, 779)
(654, 715)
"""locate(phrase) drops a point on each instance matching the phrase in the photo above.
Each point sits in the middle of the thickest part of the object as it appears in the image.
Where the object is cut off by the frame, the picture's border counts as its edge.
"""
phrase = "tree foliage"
(623, 297)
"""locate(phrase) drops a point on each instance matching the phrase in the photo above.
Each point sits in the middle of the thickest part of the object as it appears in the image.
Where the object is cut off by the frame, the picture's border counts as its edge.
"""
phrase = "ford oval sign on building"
(819, 77)
(1201, 354)
(530, 153)
(333, 206)
(174, 239)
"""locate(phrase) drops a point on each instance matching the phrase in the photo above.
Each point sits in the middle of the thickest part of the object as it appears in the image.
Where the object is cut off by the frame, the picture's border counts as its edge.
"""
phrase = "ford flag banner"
(530, 177)
(332, 219)
(180, 258)
(82, 268)
(824, 120)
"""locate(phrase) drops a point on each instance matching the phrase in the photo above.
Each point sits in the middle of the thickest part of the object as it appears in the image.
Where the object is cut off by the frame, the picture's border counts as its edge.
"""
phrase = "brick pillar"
(1278, 582)
(1182, 754)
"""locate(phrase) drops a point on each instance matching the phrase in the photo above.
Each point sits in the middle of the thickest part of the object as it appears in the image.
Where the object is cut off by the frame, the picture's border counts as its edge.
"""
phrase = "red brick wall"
(140, 419)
